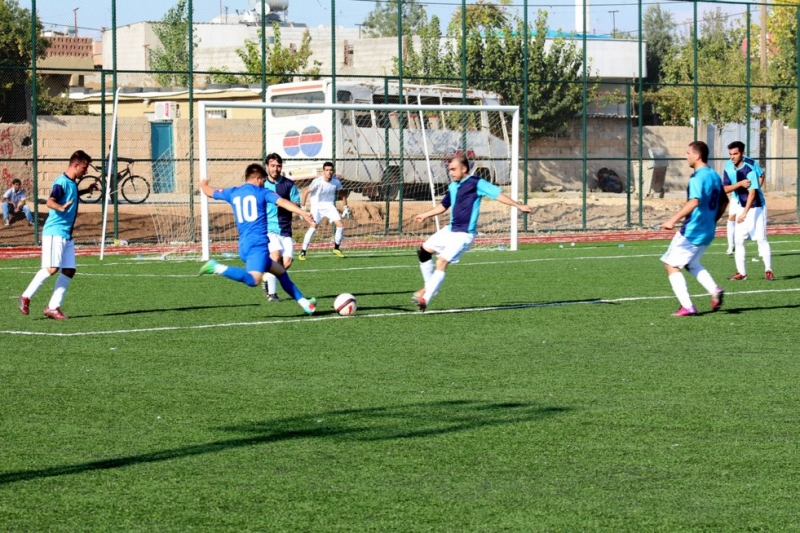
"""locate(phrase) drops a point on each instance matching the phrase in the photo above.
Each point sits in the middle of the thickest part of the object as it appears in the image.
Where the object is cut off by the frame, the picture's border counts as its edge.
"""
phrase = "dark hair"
(274, 157)
(81, 156)
(738, 145)
(460, 159)
(16, 181)
(327, 164)
(253, 169)
(699, 147)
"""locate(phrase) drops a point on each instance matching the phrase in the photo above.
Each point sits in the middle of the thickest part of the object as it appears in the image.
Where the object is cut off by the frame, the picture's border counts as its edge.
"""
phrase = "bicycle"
(135, 189)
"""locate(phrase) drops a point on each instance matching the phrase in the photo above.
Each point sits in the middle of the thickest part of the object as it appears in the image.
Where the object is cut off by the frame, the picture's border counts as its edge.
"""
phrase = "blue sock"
(290, 288)
(239, 274)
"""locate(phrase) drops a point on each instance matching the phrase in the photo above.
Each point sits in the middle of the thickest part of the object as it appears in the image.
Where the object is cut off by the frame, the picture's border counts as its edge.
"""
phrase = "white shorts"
(734, 208)
(681, 253)
(57, 252)
(284, 245)
(754, 226)
(320, 211)
(449, 245)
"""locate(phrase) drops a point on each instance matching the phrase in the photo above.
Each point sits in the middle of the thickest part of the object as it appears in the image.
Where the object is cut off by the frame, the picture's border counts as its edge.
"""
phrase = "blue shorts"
(256, 258)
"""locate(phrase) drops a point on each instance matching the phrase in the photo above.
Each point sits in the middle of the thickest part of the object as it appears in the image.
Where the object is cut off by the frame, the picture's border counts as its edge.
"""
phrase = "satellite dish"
(255, 5)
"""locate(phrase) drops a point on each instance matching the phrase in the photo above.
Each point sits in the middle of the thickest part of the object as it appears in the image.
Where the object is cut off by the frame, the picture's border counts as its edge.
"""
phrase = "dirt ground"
(551, 212)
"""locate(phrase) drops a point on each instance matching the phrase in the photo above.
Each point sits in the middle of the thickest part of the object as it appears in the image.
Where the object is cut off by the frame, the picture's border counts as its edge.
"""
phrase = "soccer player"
(249, 202)
(279, 223)
(705, 203)
(58, 248)
(742, 177)
(463, 197)
(323, 204)
(735, 208)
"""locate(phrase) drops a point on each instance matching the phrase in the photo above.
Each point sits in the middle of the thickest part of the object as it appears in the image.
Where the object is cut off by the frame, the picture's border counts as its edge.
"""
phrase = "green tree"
(283, 64)
(382, 21)
(16, 59)
(782, 60)
(173, 55)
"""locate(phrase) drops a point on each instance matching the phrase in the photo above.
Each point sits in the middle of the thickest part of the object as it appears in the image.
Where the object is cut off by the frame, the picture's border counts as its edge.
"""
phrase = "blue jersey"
(250, 212)
(748, 170)
(58, 223)
(464, 197)
(705, 186)
(279, 220)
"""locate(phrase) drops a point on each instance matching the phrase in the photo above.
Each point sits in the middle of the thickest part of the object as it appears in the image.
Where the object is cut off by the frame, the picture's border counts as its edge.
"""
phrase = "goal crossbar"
(203, 143)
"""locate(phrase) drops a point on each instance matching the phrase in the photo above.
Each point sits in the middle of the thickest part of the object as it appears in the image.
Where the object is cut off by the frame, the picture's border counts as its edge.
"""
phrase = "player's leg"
(312, 229)
(677, 256)
(67, 267)
(742, 233)
(456, 245)
(51, 255)
(256, 261)
(760, 236)
(731, 229)
(703, 277)
(330, 212)
(270, 281)
(309, 305)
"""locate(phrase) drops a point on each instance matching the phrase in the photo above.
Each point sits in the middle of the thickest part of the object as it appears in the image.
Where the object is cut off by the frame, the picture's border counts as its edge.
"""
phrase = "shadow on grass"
(739, 310)
(166, 310)
(411, 421)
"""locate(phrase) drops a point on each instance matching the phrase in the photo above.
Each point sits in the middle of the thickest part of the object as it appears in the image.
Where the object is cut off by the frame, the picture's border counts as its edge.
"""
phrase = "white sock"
(272, 283)
(427, 270)
(704, 278)
(37, 281)
(680, 289)
(766, 254)
(731, 232)
(62, 282)
(739, 256)
(307, 239)
(337, 238)
(220, 268)
(433, 284)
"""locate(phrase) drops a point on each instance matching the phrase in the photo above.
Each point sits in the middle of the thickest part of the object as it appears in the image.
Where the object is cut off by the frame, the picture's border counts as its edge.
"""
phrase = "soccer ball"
(345, 304)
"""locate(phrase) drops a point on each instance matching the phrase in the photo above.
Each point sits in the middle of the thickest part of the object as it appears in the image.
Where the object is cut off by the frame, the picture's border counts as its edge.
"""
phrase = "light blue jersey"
(464, 197)
(748, 170)
(279, 220)
(58, 223)
(705, 186)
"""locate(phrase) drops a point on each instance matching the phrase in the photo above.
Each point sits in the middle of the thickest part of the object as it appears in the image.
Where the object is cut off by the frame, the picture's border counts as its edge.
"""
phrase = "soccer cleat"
(737, 277)
(337, 252)
(55, 314)
(769, 276)
(273, 298)
(302, 255)
(419, 300)
(729, 251)
(208, 268)
(685, 312)
(310, 307)
(24, 305)
(716, 299)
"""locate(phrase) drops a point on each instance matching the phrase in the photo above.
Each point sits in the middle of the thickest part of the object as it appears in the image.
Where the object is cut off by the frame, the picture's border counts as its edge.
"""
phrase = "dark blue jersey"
(279, 220)
(464, 197)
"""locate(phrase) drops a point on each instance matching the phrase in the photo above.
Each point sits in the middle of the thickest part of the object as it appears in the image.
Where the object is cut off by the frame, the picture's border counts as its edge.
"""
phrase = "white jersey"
(324, 192)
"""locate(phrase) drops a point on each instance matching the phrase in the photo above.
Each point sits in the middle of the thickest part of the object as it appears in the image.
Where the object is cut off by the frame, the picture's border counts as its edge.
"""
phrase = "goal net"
(391, 159)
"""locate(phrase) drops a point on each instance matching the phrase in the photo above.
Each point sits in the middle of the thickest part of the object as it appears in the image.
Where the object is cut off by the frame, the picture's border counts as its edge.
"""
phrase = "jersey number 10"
(245, 207)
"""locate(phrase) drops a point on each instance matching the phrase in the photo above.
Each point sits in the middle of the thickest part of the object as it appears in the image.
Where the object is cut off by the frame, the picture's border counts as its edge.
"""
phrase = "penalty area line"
(378, 315)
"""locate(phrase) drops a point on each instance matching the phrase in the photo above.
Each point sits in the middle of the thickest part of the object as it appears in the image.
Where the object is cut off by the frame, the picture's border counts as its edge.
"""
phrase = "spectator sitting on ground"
(14, 201)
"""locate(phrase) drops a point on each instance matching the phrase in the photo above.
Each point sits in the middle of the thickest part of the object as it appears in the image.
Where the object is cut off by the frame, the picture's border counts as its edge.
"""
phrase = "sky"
(604, 15)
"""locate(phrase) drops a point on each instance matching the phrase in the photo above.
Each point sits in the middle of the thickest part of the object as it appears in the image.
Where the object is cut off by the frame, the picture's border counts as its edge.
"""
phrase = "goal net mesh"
(391, 160)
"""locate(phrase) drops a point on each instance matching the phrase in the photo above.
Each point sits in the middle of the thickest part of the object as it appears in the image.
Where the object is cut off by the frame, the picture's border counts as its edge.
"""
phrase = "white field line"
(374, 315)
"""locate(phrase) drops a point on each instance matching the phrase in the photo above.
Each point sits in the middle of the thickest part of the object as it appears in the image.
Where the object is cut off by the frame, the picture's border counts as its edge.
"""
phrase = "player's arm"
(732, 187)
(206, 188)
(685, 211)
(53, 201)
(438, 210)
(761, 180)
(505, 199)
(750, 197)
(294, 208)
(305, 195)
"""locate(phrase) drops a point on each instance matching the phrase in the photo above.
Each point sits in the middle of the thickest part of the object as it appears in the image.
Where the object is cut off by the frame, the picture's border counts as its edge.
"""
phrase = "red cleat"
(24, 305)
(419, 301)
(769, 276)
(737, 277)
(55, 314)
(716, 299)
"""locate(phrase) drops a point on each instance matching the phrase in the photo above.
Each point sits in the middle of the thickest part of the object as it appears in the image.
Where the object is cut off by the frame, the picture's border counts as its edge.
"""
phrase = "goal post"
(391, 159)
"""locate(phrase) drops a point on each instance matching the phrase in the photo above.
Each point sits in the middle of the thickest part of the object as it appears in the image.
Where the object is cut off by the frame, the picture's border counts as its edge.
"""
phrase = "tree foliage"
(283, 64)
(382, 20)
(173, 55)
(782, 67)
(495, 47)
(16, 57)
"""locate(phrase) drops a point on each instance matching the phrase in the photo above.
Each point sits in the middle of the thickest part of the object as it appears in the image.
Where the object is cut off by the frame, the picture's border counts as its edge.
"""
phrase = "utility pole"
(75, 11)
(614, 23)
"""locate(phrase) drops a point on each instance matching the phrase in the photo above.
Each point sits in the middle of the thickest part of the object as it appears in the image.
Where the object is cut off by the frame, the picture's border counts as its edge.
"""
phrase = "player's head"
(697, 154)
(256, 174)
(327, 170)
(736, 152)
(458, 166)
(79, 163)
(16, 184)
(274, 166)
